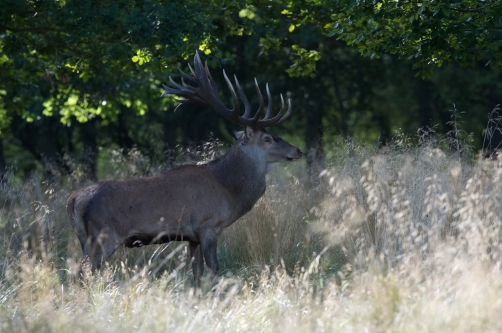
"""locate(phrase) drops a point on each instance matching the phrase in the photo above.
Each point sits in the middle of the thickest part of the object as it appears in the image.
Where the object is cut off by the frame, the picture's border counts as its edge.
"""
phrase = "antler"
(206, 93)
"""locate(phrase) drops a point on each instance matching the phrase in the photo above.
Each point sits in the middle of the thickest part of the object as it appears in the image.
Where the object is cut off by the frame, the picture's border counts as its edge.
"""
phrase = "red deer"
(191, 203)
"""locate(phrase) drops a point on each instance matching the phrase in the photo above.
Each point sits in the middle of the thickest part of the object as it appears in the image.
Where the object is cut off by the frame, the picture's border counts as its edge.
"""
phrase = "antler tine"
(186, 76)
(271, 122)
(181, 91)
(192, 100)
(237, 107)
(214, 88)
(183, 102)
(286, 116)
(269, 106)
(183, 83)
(175, 84)
(166, 90)
(247, 107)
(210, 95)
(200, 74)
(288, 113)
(260, 107)
(205, 82)
(279, 118)
(206, 93)
(191, 70)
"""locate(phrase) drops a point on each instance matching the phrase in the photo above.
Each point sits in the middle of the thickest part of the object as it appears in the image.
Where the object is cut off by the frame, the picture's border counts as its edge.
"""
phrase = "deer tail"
(76, 219)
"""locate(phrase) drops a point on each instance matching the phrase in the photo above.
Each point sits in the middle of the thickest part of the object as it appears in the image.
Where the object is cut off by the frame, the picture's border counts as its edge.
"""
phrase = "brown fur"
(192, 203)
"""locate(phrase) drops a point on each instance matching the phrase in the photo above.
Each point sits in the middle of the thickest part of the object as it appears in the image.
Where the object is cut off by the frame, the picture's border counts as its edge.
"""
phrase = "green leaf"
(446, 11)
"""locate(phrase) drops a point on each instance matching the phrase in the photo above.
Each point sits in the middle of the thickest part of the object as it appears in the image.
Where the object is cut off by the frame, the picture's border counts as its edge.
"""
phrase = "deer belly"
(139, 240)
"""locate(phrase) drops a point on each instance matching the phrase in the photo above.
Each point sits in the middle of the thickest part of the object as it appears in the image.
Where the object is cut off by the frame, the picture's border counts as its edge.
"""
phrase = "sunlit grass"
(405, 240)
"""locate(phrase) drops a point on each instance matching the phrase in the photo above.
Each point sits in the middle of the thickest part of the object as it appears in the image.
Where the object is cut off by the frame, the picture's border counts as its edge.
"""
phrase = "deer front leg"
(209, 243)
(197, 261)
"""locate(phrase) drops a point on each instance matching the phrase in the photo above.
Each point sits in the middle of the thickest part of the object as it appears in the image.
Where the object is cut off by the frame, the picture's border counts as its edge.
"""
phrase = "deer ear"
(238, 134)
(249, 132)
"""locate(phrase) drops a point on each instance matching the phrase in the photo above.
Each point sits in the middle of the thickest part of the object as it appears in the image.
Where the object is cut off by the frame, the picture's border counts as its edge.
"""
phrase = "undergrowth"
(405, 238)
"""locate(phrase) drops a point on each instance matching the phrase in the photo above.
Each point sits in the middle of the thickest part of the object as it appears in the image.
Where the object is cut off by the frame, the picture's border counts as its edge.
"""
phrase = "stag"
(191, 203)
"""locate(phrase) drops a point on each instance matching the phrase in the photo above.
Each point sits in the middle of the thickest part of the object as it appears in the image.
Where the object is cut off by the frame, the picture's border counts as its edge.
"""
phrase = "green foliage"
(76, 75)
(428, 33)
(305, 62)
(77, 59)
(72, 58)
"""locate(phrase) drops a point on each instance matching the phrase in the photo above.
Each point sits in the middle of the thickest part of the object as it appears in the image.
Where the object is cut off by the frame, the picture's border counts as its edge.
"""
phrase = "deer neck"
(242, 172)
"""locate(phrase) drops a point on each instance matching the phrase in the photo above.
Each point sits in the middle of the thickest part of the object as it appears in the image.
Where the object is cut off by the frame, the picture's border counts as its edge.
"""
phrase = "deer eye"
(267, 139)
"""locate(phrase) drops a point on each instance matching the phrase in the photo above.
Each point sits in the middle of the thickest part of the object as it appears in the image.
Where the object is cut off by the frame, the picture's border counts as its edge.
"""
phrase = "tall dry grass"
(406, 240)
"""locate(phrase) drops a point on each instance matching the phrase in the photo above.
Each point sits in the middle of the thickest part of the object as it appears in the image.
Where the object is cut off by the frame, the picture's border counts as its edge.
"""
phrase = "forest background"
(79, 79)
(390, 224)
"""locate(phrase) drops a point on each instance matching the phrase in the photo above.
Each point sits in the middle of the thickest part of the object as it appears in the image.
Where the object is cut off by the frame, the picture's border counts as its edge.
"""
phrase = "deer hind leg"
(98, 249)
(197, 261)
(102, 252)
(92, 260)
(83, 268)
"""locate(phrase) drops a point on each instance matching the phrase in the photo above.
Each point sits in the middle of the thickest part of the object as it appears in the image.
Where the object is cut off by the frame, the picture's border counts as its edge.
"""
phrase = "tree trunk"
(424, 98)
(343, 110)
(314, 131)
(2, 162)
(88, 133)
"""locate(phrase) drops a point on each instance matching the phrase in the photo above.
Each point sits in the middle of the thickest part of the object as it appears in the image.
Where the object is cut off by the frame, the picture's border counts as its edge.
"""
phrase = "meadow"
(401, 239)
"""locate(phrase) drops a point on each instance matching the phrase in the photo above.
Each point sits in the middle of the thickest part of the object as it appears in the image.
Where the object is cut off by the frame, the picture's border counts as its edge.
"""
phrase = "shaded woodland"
(78, 80)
